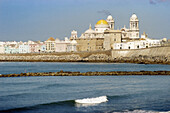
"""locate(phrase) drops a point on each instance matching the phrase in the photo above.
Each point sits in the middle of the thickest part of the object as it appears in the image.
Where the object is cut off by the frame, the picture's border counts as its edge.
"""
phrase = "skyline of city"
(38, 20)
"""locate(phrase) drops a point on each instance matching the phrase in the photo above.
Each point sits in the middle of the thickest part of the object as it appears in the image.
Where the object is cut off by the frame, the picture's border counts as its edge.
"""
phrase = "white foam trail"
(96, 100)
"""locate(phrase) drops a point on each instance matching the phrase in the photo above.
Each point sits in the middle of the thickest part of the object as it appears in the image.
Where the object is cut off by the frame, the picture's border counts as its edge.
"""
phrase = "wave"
(90, 101)
(118, 96)
(39, 106)
(71, 103)
(96, 100)
(18, 83)
(47, 86)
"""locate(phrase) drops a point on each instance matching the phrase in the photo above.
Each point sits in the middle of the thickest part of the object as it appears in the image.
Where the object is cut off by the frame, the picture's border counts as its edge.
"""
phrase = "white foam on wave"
(96, 100)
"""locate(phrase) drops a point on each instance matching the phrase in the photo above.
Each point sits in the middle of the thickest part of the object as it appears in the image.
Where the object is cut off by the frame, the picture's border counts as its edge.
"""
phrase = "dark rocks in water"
(113, 73)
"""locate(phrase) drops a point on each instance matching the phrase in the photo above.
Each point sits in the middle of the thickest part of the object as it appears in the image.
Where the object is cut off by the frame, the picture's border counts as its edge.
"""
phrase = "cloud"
(157, 1)
(106, 12)
(152, 2)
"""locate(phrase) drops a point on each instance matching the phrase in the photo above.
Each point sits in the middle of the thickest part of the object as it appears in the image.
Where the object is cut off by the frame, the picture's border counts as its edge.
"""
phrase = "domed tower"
(110, 21)
(73, 35)
(134, 26)
(101, 26)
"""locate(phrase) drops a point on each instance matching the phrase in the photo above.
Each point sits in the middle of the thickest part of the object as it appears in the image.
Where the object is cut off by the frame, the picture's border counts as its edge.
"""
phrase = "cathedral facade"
(98, 38)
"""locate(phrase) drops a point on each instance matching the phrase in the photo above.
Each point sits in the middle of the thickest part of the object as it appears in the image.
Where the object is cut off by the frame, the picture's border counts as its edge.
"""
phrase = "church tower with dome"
(111, 22)
(133, 32)
(134, 27)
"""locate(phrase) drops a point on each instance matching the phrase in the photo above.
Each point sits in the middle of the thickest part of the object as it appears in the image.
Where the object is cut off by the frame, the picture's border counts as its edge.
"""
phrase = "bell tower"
(134, 26)
(111, 22)
(73, 35)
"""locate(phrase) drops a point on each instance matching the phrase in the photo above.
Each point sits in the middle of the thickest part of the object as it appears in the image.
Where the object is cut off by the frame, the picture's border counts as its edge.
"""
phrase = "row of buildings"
(50, 45)
(102, 37)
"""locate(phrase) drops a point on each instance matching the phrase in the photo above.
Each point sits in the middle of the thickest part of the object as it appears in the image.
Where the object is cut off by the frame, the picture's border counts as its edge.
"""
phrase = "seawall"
(157, 55)
(157, 51)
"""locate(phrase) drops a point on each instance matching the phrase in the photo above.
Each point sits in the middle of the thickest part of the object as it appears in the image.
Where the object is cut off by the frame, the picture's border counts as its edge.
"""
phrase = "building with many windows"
(50, 45)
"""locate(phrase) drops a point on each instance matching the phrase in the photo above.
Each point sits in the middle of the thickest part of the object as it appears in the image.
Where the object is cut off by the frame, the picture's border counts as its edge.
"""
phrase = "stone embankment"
(114, 73)
(159, 55)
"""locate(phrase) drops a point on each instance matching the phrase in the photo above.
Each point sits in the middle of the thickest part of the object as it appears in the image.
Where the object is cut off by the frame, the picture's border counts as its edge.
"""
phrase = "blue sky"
(40, 19)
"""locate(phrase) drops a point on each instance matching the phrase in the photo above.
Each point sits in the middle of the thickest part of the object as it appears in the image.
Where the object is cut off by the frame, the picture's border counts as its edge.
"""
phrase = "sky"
(23, 20)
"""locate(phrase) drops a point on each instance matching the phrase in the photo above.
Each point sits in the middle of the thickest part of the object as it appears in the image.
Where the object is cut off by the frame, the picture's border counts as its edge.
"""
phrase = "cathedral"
(105, 37)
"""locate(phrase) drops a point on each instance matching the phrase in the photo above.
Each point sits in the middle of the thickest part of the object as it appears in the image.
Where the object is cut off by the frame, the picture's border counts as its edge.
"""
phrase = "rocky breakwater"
(141, 59)
(113, 73)
(40, 58)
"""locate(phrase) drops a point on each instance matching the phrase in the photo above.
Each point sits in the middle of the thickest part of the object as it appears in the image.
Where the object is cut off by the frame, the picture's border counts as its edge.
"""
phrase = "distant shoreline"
(68, 73)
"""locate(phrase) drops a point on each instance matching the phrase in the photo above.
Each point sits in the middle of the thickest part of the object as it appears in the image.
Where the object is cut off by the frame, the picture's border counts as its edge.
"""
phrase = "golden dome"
(51, 39)
(102, 22)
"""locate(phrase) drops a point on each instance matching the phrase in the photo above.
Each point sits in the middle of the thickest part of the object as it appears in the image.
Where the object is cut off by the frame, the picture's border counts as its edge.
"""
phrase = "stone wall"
(157, 51)
(157, 55)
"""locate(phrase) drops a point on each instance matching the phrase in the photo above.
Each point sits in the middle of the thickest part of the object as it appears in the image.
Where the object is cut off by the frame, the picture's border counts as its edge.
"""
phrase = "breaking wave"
(96, 100)
(72, 103)
(90, 101)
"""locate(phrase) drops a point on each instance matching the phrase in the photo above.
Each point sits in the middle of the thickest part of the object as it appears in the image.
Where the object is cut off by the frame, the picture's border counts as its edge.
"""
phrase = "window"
(137, 35)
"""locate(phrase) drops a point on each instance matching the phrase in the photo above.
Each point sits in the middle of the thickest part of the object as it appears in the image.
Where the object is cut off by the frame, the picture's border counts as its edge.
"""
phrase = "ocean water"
(22, 67)
(95, 94)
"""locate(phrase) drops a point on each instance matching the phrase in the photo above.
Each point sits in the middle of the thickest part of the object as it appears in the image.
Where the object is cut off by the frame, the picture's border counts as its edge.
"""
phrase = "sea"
(83, 94)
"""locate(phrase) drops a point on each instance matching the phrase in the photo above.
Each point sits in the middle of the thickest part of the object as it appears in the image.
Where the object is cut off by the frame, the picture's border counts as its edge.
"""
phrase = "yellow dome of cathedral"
(102, 22)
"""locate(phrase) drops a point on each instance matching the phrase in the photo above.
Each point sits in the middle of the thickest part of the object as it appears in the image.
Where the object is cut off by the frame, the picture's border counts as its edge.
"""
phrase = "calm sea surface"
(95, 94)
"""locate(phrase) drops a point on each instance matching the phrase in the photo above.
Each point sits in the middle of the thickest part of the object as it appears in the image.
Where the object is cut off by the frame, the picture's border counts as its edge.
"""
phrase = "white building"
(61, 46)
(72, 46)
(50, 45)
(24, 48)
(143, 42)
(2, 48)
